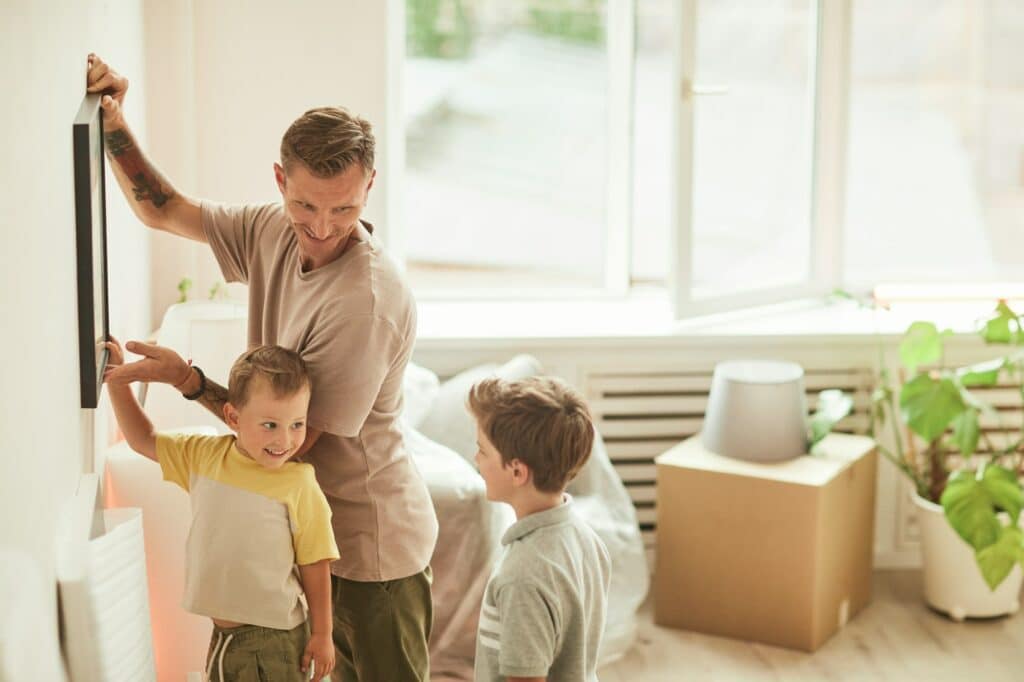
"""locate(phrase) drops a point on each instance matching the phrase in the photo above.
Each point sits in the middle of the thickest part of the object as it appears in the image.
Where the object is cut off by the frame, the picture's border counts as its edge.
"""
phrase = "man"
(319, 284)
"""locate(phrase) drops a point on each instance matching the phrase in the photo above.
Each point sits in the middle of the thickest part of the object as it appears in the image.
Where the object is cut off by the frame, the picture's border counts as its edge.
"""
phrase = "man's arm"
(163, 365)
(312, 435)
(151, 196)
(214, 396)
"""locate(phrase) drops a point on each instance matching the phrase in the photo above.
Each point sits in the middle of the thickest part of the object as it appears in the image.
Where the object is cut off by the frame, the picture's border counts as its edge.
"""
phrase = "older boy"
(255, 516)
(544, 607)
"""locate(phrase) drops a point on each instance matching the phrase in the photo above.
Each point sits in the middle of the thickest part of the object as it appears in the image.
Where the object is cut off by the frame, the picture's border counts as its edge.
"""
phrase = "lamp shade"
(757, 411)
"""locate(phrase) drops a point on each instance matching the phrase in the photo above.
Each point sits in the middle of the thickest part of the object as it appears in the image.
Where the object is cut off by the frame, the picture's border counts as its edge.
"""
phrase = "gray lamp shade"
(757, 411)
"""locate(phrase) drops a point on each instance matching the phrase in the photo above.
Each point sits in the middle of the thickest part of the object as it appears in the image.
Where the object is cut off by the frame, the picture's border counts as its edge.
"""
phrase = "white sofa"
(441, 438)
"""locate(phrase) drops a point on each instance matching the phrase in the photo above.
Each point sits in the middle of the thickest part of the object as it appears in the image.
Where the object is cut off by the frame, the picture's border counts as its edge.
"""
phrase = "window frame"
(831, 84)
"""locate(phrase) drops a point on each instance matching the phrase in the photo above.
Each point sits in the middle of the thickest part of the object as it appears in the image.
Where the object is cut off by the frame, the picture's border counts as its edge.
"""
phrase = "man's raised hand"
(101, 78)
(159, 365)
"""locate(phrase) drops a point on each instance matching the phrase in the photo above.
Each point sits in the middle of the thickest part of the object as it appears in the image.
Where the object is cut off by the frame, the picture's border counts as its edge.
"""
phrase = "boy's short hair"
(327, 141)
(540, 421)
(283, 369)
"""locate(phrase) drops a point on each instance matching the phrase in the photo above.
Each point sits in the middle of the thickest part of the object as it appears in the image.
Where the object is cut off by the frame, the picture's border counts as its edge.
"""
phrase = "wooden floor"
(896, 637)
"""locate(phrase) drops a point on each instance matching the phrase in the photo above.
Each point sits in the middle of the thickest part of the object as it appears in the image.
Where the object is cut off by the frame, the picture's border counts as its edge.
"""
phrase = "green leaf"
(833, 405)
(969, 511)
(982, 373)
(997, 328)
(966, 432)
(971, 503)
(930, 405)
(921, 345)
(1004, 489)
(843, 295)
(998, 559)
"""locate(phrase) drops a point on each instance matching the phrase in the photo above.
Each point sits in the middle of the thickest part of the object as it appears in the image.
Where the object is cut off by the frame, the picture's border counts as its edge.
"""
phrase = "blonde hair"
(283, 369)
(327, 141)
(540, 421)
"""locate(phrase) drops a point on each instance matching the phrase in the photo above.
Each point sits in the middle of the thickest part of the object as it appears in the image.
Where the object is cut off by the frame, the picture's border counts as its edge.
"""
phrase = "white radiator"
(101, 571)
(644, 412)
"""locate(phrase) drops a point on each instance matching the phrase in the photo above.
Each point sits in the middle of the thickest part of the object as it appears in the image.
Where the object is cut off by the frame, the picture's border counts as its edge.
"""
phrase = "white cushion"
(449, 421)
(420, 387)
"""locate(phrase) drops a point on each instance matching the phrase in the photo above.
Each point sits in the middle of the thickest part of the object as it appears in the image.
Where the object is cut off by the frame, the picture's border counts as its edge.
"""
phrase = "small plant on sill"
(184, 285)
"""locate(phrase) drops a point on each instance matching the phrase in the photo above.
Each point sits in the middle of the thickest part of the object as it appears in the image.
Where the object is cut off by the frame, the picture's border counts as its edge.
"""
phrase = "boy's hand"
(319, 648)
(115, 356)
(101, 78)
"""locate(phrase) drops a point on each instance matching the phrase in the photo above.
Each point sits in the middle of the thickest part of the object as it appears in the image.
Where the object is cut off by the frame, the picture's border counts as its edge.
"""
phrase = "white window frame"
(831, 95)
(831, 78)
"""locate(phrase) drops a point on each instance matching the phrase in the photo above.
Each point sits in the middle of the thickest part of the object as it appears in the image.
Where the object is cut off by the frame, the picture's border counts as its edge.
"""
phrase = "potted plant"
(967, 489)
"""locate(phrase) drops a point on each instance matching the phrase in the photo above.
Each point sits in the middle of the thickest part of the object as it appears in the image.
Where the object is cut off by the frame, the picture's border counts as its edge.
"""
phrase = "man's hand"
(101, 78)
(160, 365)
(319, 649)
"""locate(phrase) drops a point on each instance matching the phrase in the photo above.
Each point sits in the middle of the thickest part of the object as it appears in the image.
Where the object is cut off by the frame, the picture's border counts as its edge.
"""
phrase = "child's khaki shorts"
(251, 652)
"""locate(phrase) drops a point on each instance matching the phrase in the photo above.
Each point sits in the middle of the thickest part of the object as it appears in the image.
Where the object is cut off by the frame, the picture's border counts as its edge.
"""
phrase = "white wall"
(232, 76)
(47, 439)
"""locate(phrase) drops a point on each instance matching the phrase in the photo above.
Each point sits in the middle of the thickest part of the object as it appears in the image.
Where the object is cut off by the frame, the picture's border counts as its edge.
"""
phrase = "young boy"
(544, 608)
(255, 516)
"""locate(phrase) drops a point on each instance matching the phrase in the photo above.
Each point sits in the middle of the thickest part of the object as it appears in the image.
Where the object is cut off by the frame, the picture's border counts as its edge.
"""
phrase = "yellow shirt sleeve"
(313, 536)
(181, 455)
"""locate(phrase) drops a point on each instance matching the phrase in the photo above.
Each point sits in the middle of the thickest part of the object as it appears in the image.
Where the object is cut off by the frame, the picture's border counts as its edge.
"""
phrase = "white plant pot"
(952, 579)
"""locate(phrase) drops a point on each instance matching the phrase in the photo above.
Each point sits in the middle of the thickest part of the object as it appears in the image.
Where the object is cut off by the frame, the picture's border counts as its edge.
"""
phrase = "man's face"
(323, 211)
(270, 428)
(498, 476)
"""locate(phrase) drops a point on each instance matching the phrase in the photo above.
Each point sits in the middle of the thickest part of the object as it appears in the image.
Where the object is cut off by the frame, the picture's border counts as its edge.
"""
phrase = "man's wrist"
(192, 384)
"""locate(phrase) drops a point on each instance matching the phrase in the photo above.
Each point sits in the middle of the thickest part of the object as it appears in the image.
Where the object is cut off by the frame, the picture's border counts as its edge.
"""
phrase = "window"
(729, 152)
(506, 124)
(935, 180)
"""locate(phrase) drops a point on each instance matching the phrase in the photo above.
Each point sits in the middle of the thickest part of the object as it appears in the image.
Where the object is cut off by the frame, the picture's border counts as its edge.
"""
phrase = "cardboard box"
(778, 553)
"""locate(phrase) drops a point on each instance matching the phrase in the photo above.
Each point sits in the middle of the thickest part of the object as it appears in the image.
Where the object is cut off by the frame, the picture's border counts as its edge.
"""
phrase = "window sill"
(649, 317)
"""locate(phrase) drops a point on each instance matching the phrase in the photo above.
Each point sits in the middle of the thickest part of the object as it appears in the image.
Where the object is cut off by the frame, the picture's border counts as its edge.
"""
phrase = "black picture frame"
(91, 237)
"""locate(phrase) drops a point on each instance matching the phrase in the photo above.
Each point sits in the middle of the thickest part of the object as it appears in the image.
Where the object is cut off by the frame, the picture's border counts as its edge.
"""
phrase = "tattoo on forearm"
(118, 142)
(145, 181)
(149, 188)
(214, 398)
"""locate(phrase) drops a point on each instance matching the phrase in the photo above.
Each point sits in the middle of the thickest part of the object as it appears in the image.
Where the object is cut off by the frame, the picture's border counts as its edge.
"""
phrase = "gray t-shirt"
(544, 607)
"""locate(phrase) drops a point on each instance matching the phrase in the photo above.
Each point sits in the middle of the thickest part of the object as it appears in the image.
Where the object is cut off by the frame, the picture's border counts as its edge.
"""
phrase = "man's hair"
(540, 421)
(283, 369)
(327, 141)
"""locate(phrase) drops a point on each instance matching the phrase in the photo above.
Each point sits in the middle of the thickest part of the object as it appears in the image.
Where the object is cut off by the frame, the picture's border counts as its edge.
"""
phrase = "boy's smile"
(270, 428)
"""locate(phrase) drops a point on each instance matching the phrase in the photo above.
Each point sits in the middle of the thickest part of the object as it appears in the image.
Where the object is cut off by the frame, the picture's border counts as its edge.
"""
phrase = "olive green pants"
(381, 629)
(250, 653)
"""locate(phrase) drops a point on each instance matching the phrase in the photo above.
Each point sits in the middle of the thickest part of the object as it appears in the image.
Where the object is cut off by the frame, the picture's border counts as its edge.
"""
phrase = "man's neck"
(308, 264)
(534, 503)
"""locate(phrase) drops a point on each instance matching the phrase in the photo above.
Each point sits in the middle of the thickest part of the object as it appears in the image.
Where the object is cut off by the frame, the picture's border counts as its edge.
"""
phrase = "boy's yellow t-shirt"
(250, 527)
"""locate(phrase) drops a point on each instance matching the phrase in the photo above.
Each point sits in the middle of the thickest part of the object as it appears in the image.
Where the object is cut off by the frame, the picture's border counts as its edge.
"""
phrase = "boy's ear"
(231, 416)
(521, 474)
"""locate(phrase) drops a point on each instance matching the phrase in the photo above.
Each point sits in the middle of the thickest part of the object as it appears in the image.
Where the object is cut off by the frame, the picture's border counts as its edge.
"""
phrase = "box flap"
(835, 453)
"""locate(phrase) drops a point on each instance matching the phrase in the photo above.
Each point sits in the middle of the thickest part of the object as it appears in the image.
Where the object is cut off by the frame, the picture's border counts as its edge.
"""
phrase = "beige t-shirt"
(354, 323)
